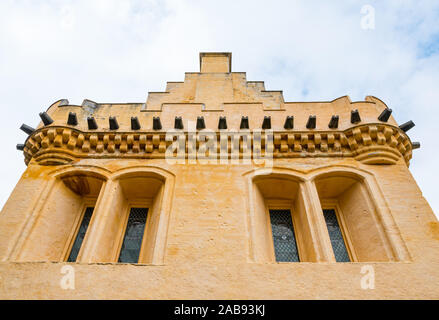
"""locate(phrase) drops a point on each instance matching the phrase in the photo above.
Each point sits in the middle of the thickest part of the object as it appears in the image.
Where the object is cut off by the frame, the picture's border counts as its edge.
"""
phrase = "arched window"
(61, 224)
(355, 232)
(132, 218)
(335, 216)
(88, 217)
(139, 207)
(280, 227)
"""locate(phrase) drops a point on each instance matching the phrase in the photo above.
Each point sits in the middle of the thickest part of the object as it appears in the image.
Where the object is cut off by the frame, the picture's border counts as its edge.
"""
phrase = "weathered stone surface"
(208, 233)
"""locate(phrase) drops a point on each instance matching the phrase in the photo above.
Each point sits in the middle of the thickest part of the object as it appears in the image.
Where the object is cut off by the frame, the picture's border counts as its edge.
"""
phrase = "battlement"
(217, 188)
(217, 93)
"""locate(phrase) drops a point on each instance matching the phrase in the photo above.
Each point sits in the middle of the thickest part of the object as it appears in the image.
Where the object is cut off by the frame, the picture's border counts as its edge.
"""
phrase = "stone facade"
(208, 233)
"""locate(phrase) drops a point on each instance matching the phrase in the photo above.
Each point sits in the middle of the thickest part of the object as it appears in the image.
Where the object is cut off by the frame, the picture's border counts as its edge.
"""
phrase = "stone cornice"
(372, 143)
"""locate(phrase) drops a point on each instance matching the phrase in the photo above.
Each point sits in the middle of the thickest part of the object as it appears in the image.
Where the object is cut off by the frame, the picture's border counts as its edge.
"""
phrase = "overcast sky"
(117, 51)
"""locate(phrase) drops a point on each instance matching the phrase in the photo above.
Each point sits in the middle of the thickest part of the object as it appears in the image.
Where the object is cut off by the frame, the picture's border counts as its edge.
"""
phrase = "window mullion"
(95, 247)
(317, 223)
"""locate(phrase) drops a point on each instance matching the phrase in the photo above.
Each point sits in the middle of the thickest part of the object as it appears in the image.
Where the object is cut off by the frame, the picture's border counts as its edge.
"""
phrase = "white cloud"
(112, 51)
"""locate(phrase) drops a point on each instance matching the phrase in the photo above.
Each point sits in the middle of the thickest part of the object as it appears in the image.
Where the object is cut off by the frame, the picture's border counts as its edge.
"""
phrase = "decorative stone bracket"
(370, 143)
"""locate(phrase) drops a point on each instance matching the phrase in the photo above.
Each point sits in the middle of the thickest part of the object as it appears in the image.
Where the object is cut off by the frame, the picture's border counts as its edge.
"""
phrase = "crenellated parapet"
(224, 102)
(370, 144)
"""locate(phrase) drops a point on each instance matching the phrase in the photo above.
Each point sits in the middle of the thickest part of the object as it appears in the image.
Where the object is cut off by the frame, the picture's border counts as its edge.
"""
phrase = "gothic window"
(336, 216)
(59, 233)
(134, 231)
(279, 227)
(335, 234)
(80, 234)
(134, 219)
(284, 239)
(354, 230)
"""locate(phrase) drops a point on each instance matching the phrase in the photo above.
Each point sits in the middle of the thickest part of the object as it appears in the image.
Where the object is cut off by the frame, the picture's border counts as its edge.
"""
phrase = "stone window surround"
(96, 247)
(91, 250)
(261, 245)
(334, 205)
(88, 202)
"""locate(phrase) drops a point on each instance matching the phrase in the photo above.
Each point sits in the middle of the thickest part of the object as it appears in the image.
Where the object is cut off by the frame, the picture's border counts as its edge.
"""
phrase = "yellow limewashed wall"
(208, 232)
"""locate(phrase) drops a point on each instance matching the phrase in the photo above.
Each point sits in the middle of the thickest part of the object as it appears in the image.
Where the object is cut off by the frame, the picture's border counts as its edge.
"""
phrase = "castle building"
(217, 188)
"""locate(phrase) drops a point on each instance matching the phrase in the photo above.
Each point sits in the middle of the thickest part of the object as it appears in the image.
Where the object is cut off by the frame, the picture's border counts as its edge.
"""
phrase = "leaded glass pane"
(284, 240)
(132, 241)
(337, 241)
(81, 234)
